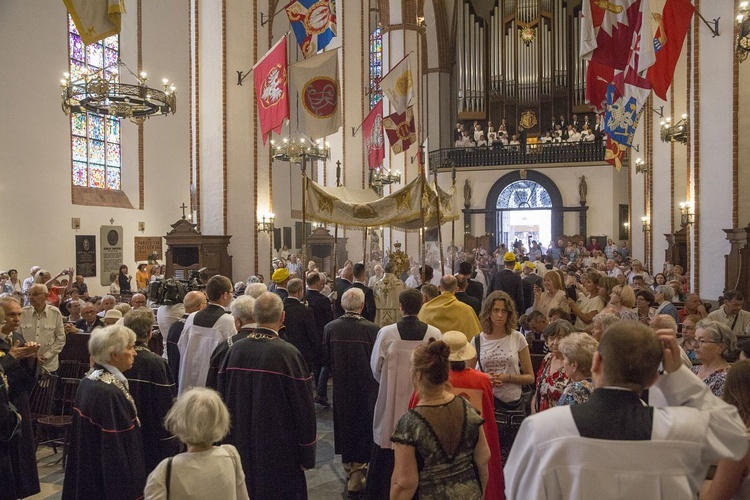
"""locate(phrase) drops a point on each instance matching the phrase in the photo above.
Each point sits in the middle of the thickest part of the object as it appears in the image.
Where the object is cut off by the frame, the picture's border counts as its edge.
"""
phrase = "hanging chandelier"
(297, 146)
(96, 93)
(382, 176)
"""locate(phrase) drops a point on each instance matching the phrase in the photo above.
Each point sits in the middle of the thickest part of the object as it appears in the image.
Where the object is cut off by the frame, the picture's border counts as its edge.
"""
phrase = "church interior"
(196, 184)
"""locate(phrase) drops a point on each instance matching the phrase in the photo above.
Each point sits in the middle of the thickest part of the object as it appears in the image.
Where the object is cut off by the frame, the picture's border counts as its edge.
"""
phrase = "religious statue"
(583, 189)
(467, 193)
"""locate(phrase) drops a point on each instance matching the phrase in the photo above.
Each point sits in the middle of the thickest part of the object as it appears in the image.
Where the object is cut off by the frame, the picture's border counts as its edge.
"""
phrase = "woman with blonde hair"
(622, 302)
(199, 418)
(578, 353)
(553, 296)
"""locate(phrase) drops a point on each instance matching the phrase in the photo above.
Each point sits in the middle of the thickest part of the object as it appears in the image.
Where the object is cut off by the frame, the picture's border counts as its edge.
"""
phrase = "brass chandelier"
(136, 102)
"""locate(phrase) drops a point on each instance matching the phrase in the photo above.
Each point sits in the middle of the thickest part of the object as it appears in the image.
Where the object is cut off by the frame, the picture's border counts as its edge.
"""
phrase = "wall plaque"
(86, 255)
(110, 246)
(148, 247)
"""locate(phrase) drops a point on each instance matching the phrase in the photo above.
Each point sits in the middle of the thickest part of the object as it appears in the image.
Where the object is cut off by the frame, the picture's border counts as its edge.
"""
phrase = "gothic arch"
(510, 178)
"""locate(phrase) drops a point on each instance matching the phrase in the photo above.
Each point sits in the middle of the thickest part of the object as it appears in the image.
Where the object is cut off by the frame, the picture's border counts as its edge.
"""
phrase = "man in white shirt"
(612, 270)
(616, 447)
(203, 331)
(732, 314)
(43, 324)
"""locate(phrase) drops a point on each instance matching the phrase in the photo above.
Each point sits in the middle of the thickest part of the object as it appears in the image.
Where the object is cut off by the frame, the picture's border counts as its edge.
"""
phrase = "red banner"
(372, 136)
(272, 89)
(401, 130)
(674, 23)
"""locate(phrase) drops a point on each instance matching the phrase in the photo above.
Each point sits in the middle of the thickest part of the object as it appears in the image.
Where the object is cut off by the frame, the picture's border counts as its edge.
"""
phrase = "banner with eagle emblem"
(313, 23)
(272, 89)
(372, 136)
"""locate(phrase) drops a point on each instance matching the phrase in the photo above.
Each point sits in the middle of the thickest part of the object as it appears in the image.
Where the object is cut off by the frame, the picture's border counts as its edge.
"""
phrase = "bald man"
(194, 301)
(445, 312)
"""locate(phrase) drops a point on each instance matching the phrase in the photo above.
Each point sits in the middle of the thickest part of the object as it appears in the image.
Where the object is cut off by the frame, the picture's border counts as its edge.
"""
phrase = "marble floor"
(326, 481)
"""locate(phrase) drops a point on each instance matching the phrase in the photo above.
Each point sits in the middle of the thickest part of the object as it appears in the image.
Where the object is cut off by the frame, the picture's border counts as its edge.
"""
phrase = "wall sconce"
(674, 132)
(641, 167)
(687, 216)
(646, 224)
(265, 224)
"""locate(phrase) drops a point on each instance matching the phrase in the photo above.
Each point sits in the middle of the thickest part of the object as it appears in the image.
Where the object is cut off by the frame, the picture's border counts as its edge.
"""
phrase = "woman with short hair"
(663, 297)
(643, 300)
(551, 379)
(622, 302)
(714, 345)
(601, 322)
(439, 445)
(553, 296)
(105, 455)
(578, 353)
(199, 418)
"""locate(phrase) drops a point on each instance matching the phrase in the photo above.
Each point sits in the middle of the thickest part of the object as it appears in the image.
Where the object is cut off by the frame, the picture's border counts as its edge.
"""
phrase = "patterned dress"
(549, 385)
(576, 393)
(715, 380)
(443, 437)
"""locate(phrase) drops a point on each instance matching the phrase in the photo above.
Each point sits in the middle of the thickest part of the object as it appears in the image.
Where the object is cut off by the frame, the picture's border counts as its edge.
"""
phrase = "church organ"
(518, 60)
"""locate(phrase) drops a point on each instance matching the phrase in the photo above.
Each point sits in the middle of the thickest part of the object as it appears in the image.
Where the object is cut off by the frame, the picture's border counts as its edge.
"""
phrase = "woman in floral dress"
(578, 353)
(551, 379)
(714, 343)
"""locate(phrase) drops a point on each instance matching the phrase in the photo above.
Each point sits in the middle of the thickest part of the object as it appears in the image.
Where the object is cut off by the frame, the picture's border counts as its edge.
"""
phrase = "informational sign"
(86, 255)
(148, 248)
(111, 253)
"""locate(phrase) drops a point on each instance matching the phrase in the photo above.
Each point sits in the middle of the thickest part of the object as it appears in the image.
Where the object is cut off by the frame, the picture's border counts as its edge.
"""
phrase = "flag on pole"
(607, 31)
(672, 24)
(398, 85)
(372, 136)
(313, 23)
(96, 19)
(272, 89)
(317, 82)
(401, 130)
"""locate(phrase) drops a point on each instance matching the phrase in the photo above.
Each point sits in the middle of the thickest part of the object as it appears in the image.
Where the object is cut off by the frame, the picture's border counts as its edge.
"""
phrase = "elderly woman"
(714, 344)
(732, 479)
(553, 296)
(601, 322)
(589, 303)
(503, 354)
(551, 379)
(578, 353)
(105, 456)
(199, 418)
(622, 302)
(687, 342)
(439, 445)
(643, 300)
(663, 298)
(639, 271)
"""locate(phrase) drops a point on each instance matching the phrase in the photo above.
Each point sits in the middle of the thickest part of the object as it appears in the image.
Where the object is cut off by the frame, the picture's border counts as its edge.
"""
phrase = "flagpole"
(421, 217)
(336, 228)
(437, 213)
(304, 219)
(454, 248)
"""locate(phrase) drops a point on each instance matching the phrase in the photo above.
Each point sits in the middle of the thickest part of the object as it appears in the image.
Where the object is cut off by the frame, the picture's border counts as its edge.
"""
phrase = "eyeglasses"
(701, 342)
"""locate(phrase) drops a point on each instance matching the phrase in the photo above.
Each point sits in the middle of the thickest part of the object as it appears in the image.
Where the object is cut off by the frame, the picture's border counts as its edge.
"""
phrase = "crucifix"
(111, 221)
(183, 207)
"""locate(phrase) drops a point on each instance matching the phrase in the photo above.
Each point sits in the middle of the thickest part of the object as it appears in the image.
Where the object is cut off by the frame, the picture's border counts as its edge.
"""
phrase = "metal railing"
(565, 152)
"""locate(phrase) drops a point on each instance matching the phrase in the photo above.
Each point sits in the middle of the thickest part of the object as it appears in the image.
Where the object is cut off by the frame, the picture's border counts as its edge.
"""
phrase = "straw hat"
(461, 349)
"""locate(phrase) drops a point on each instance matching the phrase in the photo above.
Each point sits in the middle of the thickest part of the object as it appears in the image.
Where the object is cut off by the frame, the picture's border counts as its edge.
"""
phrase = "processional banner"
(317, 82)
(96, 19)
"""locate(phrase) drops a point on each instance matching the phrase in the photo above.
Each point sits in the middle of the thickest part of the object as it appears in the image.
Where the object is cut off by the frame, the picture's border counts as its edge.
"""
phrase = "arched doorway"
(524, 208)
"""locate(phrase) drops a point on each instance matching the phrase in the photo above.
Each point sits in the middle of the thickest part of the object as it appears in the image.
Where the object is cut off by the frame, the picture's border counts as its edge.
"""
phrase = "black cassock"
(153, 389)
(267, 387)
(348, 342)
(105, 455)
(22, 376)
(220, 355)
(10, 424)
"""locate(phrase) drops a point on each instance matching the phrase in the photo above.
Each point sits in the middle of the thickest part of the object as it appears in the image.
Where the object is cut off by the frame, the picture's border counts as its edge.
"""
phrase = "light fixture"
(265, 224)
(641, 167)
(102, 93)
(743, 32)
(676, 132)
(646, 224)
(382, 176)
(687, 216)
(298, 146)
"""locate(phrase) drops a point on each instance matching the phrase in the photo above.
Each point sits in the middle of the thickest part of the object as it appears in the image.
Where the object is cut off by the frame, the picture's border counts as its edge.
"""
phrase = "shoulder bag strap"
(479, 350)
(169, 474)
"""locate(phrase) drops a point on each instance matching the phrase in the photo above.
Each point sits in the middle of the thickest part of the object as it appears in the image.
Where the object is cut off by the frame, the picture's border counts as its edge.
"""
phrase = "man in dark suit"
(464, 297)
(473, 288)
(360, 275)
(664, 451)
(342, 284)
(323, 311)
(18, 359)
(529, 280)
(427, 273)
(509, 282)
(89, 320)
(300, 328)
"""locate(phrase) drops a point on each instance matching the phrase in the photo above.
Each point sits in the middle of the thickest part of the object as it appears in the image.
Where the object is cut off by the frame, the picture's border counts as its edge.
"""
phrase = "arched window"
(524, 194)
(95, 139)
(376, 66)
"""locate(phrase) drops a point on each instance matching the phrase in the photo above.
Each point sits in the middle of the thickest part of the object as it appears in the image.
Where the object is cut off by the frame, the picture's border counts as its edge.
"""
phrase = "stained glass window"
(95, 139)
(524, 194)
(376, 66)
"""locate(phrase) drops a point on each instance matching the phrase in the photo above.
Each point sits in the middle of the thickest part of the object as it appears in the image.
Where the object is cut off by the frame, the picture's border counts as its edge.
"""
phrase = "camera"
(172, 291)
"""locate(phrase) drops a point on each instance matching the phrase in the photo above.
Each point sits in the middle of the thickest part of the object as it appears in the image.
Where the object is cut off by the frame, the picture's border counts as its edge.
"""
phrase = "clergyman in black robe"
(10, 425)
(21, 367)
(267, 386)
(348, 342)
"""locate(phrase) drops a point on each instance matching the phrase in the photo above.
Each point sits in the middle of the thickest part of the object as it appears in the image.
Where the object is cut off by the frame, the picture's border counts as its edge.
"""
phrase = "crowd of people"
(447, 384)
